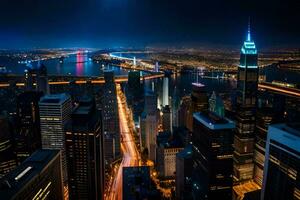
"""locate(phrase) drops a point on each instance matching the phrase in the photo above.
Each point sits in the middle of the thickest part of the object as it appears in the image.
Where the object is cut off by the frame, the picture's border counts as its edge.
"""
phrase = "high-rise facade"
(7, 156)
(134, 85)
(111, 116)
(166, 118)
(149, 124)
(184, 169)
(38, 177)
(212, 156)
(55, 112)
(28, 79)
(135, 94)
(247, 83)
(36, 75)
(183, 111)
(150, 102)
(165, 91)
(273, 107)
(175, 103)
(281, 170)
(28, 136)
(166, 161)
(142, 131)
(42, 79)
(84, 145)
(199, 102)
(264, 117)
(216, 105)
(151, 133)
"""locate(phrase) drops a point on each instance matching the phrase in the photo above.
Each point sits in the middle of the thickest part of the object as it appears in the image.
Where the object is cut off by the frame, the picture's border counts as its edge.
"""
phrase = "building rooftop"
(27, 171)
(82, 110)
(163, 139)
(246, 187)
(186, 152)
(85, 106)
(54, 98)
(293, 129)
(198, 85)
(212, 121)
(85, 117)
(286, 134)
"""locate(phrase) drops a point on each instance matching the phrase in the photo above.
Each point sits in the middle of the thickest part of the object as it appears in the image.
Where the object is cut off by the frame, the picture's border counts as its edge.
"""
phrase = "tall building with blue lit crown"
(246, 107)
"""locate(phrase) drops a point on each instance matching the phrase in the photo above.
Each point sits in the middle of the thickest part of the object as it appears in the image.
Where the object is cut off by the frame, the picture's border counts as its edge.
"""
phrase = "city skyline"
(159, 100)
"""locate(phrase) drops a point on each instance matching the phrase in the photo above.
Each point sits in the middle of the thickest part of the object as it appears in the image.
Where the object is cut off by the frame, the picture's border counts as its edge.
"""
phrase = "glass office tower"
(281, 170)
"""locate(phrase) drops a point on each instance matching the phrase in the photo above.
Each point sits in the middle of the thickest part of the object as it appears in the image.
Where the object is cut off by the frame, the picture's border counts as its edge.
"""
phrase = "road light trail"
(130, 153)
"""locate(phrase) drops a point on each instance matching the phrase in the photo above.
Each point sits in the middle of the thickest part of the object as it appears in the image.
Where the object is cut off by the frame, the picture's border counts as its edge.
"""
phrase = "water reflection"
(80, 61)
(78, 64)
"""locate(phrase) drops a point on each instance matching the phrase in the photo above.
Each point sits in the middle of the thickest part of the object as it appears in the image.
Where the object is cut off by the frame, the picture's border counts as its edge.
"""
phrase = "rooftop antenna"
(249, 31)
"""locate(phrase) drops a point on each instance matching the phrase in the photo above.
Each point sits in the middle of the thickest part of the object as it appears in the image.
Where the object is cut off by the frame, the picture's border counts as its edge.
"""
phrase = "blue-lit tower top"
(248, 51)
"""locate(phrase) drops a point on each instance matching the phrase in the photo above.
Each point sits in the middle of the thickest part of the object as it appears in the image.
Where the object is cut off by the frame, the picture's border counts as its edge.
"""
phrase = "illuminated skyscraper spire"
(249, 31)
(247, 84)
(249, 45)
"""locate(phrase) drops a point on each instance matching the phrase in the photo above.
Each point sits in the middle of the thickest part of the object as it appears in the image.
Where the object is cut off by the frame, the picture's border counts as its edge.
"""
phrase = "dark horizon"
(133, 23)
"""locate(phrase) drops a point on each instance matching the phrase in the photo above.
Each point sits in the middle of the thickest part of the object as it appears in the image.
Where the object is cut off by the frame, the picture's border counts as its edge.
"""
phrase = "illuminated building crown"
(249, 46)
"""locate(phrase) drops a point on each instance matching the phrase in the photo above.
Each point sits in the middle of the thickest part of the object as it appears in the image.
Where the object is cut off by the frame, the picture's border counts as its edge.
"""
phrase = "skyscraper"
(184, 169)
(156, 67)
(38, 75)
(165, 91)
(28, 136)
(150, 102)
(134, 85)
(142, 131)
(135, 93)
(42, 79)
(212, 156)
(149, 124)
(167, 118)
(134, 61)
(264, 117)
(166, 155)
(281, 170)
(28, 79)
(183, 111)
(7, 157)
(175, 103)
(151, 132)
(273, 107)
(199, 102)
(111, 115)
(247, 84)
(216, 105)
(55, 112)
(84, 144)
(38, 177)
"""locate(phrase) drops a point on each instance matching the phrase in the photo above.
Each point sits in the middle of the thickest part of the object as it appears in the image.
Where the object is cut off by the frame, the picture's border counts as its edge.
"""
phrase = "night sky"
(139, 23)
